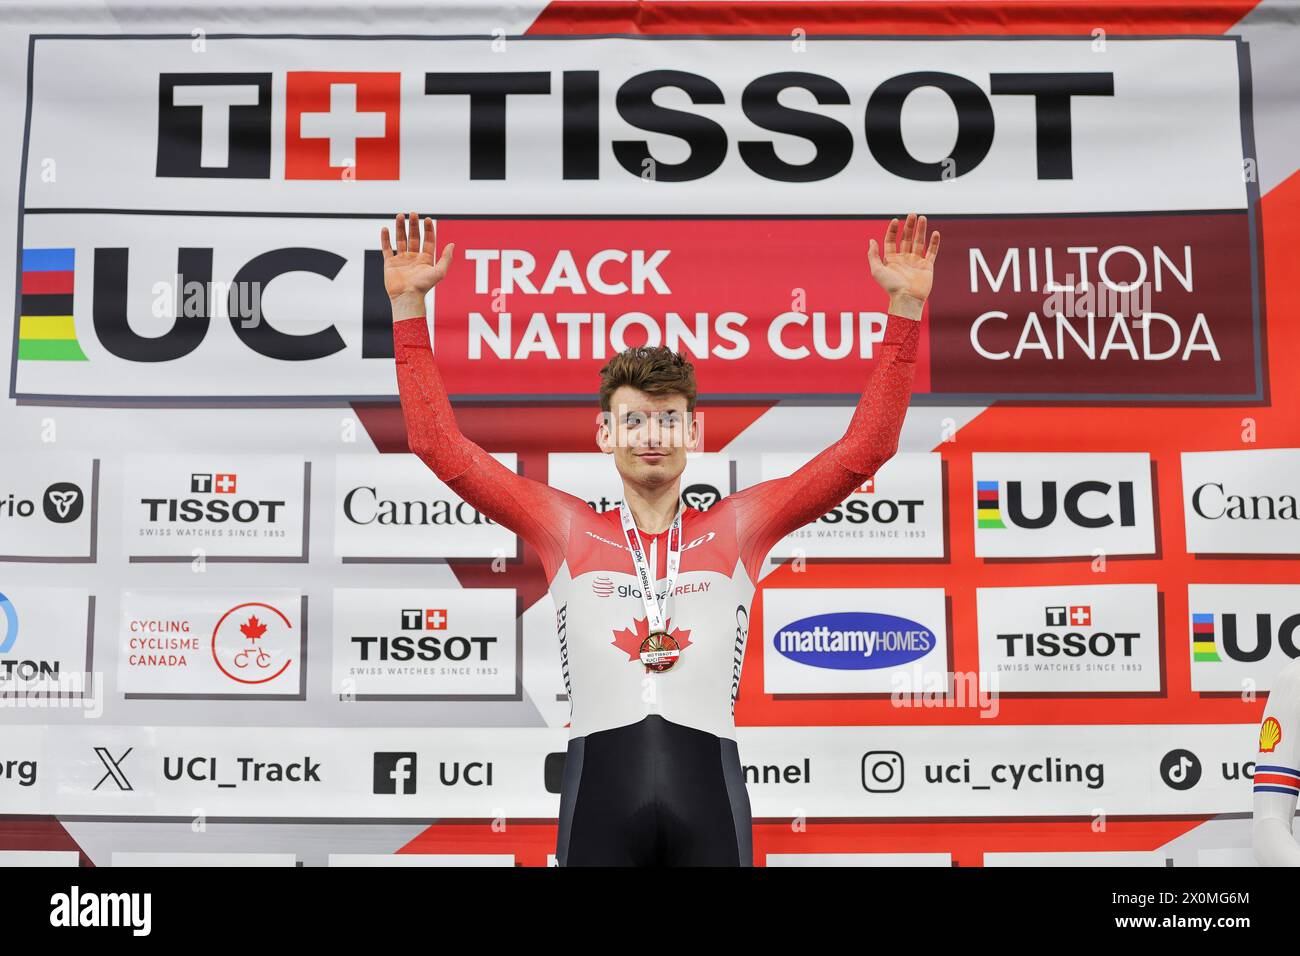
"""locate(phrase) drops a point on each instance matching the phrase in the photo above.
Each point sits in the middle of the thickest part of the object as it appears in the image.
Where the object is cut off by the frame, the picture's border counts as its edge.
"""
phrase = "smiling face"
(648, 435)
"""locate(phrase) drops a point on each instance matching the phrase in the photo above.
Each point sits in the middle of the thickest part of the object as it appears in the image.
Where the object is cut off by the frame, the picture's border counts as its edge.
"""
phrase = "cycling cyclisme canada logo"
(253, 643)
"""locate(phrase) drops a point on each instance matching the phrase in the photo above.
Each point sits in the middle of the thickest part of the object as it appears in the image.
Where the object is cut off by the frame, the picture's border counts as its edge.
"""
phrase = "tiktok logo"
(1180, 770)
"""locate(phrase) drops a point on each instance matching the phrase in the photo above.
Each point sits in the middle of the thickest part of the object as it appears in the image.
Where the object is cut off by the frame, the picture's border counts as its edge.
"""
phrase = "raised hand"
(411, 271)
(906, 270)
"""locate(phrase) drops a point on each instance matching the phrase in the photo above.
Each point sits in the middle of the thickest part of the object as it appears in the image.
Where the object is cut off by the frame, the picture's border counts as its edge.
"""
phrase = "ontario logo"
(854, 640)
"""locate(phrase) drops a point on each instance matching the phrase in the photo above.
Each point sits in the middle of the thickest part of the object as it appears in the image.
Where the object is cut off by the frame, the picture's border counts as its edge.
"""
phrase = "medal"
(660, 650)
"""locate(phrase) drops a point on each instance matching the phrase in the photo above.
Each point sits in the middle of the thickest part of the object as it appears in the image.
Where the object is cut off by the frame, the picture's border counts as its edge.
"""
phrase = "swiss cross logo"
(222, 484)
(342, 125)
(867, 487)
(417, 619)
(1076, 615)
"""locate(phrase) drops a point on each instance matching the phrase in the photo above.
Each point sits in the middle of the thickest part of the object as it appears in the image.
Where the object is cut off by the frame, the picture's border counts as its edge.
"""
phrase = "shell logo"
(1270, 735)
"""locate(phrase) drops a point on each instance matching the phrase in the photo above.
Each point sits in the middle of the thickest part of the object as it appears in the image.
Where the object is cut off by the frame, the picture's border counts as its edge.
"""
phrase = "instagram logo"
(882, 771)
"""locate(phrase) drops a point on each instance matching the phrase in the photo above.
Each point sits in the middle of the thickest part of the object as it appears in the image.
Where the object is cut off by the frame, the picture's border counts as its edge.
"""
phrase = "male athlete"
(1277, 772)
(652, 774)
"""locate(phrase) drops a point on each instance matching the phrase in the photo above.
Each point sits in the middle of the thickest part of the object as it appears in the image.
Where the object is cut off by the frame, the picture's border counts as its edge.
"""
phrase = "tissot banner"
(230, 587)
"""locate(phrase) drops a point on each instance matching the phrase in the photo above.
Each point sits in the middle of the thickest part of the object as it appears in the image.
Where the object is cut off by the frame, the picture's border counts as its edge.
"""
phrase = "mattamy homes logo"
(299, 314)
(855, 640)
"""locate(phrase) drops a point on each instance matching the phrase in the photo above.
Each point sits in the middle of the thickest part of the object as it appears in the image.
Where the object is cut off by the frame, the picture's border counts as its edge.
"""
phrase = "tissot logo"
(881, 511)
(216, 510)
(1077, 614)
(395, 773)
(1076, 638)
(337, 125)
(1067, 640)
(403, 648)
(220, 124)
(414, 619)
(425, 643)
(223, 484)
(896, 513)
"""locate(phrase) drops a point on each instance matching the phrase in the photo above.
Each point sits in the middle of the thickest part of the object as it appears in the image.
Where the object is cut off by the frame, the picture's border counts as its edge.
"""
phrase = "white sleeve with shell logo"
(1277, 772)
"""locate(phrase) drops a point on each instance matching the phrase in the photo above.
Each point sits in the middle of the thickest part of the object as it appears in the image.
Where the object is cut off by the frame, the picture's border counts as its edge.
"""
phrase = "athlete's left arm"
(768, 511)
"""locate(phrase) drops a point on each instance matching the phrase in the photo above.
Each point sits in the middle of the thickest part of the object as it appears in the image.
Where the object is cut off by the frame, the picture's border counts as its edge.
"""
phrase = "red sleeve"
(535, 511)
(768, 511)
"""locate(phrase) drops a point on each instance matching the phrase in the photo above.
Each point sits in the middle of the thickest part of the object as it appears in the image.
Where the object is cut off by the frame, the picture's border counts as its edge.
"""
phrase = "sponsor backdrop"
(240, 623)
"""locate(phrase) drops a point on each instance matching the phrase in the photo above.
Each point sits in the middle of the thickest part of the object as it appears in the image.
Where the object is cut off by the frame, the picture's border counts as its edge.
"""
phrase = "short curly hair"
(655, 370)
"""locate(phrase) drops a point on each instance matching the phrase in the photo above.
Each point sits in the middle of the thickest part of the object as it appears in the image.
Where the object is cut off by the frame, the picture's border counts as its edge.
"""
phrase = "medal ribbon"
(655, 617)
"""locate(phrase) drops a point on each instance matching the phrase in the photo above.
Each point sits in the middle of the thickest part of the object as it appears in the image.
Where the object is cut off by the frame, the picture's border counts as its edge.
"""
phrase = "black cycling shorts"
(653, 793)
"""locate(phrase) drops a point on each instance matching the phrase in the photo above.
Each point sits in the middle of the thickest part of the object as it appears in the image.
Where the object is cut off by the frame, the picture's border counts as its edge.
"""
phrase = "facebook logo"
(394, 773)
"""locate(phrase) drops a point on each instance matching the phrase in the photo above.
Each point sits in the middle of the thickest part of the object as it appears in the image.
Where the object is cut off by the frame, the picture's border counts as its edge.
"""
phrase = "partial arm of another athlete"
(1277, 772)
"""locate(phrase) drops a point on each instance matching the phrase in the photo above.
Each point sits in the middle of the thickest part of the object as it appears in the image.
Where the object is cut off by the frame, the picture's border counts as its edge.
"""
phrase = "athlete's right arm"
(1277, 772)
(532, 509)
